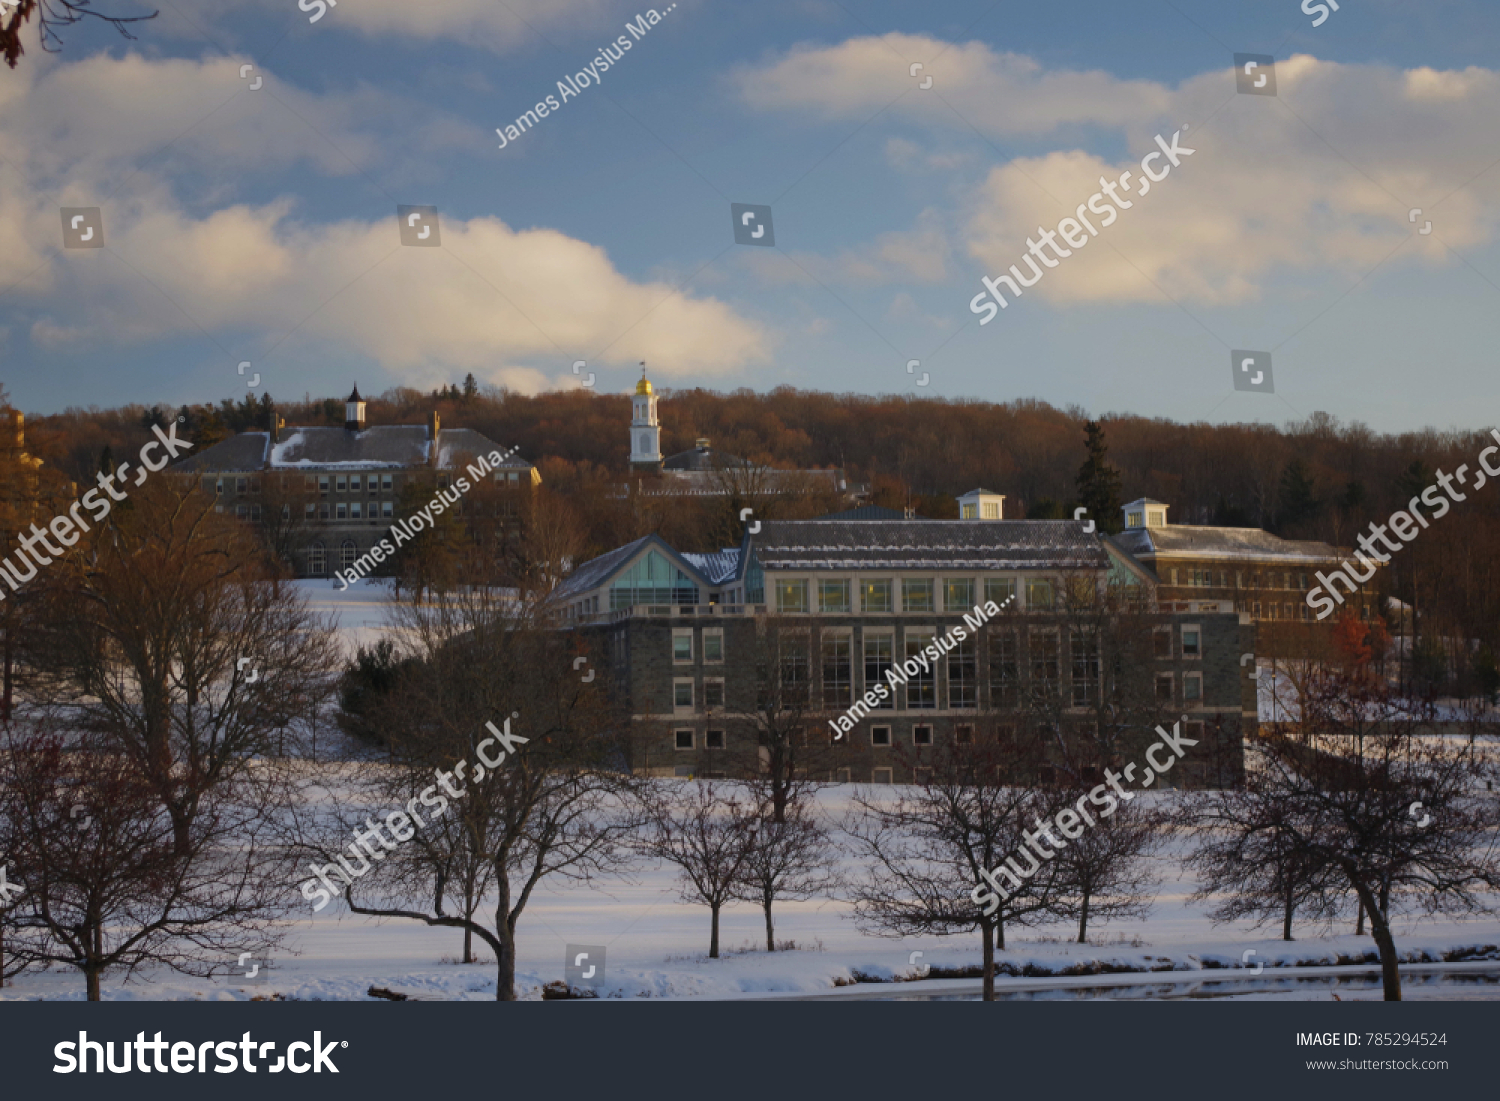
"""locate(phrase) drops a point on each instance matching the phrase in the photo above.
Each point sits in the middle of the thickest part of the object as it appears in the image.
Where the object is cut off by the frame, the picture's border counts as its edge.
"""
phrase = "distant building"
(346, 482)
(1261, 574)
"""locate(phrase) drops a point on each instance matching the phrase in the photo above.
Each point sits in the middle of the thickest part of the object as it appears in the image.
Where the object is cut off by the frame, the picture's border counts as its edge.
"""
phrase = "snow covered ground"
(656, 946)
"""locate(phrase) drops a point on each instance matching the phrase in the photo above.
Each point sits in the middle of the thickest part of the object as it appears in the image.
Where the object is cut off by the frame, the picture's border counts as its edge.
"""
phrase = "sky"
(250, 228)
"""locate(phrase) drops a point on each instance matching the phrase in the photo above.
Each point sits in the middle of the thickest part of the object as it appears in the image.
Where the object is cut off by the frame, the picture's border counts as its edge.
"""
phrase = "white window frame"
(1186, 627)
(677, 741)
(922, 726)
(678, 708)
(715, 633)
(890, 777)
(1192, 678)
(678, 633)
(874, 730)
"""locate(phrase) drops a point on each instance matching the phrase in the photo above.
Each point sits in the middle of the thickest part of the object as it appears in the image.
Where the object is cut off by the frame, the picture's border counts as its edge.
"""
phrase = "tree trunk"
(468, 945)
(1083, 920)
(713, 940)
(505, 932)
(1286, 916)
(770, 928)
(1359, 923)
(989, 962)
(91, 977)
(1390, 970)
(1000, 934)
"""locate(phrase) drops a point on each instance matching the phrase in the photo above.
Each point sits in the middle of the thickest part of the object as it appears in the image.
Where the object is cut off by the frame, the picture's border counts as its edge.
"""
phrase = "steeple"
(645, 429)
(354, 412)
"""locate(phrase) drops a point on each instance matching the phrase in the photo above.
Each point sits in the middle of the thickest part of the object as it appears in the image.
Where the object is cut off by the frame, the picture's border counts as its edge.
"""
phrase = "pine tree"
(1099, 483)
(471, 388)
(1299, 497)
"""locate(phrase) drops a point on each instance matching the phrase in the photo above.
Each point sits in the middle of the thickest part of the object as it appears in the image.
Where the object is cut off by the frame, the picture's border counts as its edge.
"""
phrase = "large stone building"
(682, 638)
(346, 483)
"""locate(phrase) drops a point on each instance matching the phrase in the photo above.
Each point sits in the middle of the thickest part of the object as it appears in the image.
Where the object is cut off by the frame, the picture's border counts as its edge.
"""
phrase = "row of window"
(880, 738)
(352, 510)
(917, 594)
(1203, 578)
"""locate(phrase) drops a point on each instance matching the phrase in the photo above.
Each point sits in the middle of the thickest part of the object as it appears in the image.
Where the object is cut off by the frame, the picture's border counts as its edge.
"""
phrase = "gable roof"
(596, 571)
(927, 545)
(316, 447)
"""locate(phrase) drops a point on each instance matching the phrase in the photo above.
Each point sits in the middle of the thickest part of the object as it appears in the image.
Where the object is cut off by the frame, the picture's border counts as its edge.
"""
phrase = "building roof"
(596, 571)
(927, 545)
(716, 568)
(354, 396)
(866, 512)
(984, 492)
(1248, 544)
(319, 447)
(701, 458)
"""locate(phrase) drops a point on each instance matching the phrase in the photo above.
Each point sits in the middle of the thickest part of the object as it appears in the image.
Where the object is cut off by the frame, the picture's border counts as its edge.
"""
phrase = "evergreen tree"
(1299, 497)
(1099, 483)
(471, 388)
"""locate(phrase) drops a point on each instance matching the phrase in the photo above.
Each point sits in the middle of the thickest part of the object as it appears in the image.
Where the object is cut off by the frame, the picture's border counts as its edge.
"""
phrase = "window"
(875, 596)
(354, 511)
(1042, 648)
(916, 594)
(652, 580)
(1038, 592)
(1161, 642)
(684, 739)
(219, 487)
(713, 646)
(1164, 687)
(839, 775)
(1255, 608)
(713, 693)
(385, 483)
(1192, 687)
(1191, 647)
(682, 646)
(354, 484)
(309, 510)
(958, 594)
(878, 653)
(1085, 647)
(241, 485)
(348, 553)
(833, 596)
(791, 596)
(323, 513)
(385, 510)
(921, 689)
(340, 484)
(880, 735)
(838, 671)
(882, 776)
(963, 734)
(921, 735)
(963, 676)
(323, 485)
(1302, 581)
(317, 560)
(714, 740)
(342, 511)
(1286, 610)
(999, 589)
(1004, 671)
(796, 675)
(682, 695)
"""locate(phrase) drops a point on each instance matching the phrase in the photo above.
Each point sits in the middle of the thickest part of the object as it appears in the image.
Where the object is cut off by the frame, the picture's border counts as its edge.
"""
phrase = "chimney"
(279, 431)
(702, 443)
(433, 426)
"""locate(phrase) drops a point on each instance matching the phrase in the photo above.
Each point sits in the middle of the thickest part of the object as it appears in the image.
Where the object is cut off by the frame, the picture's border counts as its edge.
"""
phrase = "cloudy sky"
(259, 224)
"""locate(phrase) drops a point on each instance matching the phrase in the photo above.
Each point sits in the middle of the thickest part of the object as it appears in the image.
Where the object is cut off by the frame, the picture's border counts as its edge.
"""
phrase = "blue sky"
(260, 225)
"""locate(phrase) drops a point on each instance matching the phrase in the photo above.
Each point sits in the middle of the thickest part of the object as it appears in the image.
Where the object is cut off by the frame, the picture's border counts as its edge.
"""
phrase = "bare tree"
(932, 848)
(119, 886)
(792, 859)
(707, 829)
(500, 757)
(1108, 870)
(51, 16)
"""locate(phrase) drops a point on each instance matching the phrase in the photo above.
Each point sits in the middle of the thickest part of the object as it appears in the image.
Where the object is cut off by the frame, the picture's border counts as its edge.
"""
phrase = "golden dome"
(644, 386)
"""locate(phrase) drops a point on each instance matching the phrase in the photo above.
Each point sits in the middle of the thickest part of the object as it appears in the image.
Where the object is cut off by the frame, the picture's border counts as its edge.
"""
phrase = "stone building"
(683, 637)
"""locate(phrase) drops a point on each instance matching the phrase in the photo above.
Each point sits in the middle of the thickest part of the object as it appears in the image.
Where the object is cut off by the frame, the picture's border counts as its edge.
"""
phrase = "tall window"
(348, 553)
(921, 690)
(838, 671)
(791, 596)
(999, 589)
(958, 594)
(1042, 649)
(963, 676)
(1038, 592)
(796, 674)
(317, 560)
(1085, 647)
(833, 596)
(1004, 669)
(916, 594)
(875, 596)
(878, 653)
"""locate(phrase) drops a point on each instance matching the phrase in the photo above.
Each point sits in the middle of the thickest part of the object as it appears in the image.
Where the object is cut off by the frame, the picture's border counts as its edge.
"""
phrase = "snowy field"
(657, 945)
